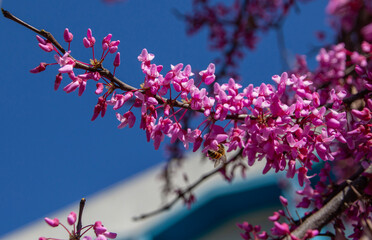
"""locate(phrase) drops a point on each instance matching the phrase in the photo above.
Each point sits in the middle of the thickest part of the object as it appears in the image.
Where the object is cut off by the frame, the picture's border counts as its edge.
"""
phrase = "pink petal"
(52, 222)
(66, 69)
(99, 88)
(117, 60)
(67, 35)
(41, 40)
(283, 200)
(86, 43)
(71, 219)
(71, 87)
(82, 87)
(110, 235)
(100, 230)
(119, 101)
(47, 47)
(152, 100)
(57, 82)
(39, 68)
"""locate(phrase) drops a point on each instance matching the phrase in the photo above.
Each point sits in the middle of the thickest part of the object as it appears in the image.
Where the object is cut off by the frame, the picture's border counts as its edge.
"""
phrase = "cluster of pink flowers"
(67, 63)
(255, 118)
(76, 233)
(291, 126)
(279, 229)
(259, 123)
(345, 14)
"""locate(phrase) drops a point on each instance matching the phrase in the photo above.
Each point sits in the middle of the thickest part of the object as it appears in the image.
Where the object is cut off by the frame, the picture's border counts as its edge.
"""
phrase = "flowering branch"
(102, 71)
(306, 118)
(75, 234)
(335, 206)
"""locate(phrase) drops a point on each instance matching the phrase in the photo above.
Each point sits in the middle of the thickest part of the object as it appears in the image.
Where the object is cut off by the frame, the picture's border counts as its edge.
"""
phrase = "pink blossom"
(283, 200)
(117, 59)
(101, 107)
(90, 75)
(71, 219)
(52, 222)
(44, 44)
(145, 56)
(66, 63)
(99, 89)
(118, 100)
(106, 41)
(367, 32)
(67, 35)
(127, 119)
(77, 232)
(89, 41)
(102, 232)
(39, 68)
(366, 47)
(305, 203)
(280, 229)
(275, 217)
(197, 97)
(364, 115)
(302, 175)
(110, 235)
(197, 143)
(192, 135)
(57, 82)
(208, 76)
(145, 100)
(77, 83)
(113, 46)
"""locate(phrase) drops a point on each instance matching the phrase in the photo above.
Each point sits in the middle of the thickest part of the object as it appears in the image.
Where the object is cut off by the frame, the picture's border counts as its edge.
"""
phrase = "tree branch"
(335, 206)
(126, 87)
(187, 190)
(102, 71)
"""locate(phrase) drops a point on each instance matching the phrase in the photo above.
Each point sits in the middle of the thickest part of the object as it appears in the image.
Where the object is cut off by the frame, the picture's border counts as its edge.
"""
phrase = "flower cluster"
(68, 64)
(345, 14)
(78, 233)
(291, 126)
(278, 230)
(256, 119)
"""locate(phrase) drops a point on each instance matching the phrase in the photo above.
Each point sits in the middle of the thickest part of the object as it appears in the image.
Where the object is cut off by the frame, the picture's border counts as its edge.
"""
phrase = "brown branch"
(335, 206)
(187, 190)
(41, 32)
(103, 71)
(79, 224)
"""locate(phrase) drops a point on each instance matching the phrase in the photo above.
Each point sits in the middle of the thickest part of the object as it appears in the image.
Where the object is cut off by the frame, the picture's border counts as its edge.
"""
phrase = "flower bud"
(71, 219)
(52, 222)
(117, 59)
(67, 35)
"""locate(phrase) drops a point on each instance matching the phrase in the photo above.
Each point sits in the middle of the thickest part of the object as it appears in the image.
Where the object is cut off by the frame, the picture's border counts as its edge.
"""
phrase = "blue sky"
(51, 153)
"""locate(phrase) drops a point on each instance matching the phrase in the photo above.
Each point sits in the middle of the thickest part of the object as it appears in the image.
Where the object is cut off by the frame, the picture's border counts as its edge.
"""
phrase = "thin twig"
(187, 190)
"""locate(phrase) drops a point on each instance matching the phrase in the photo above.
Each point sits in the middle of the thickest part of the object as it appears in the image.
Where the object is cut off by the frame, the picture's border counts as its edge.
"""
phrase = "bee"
(218, 156)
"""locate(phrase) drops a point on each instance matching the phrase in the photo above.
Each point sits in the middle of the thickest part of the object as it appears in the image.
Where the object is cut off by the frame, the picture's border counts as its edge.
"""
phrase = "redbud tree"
(303, 119)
